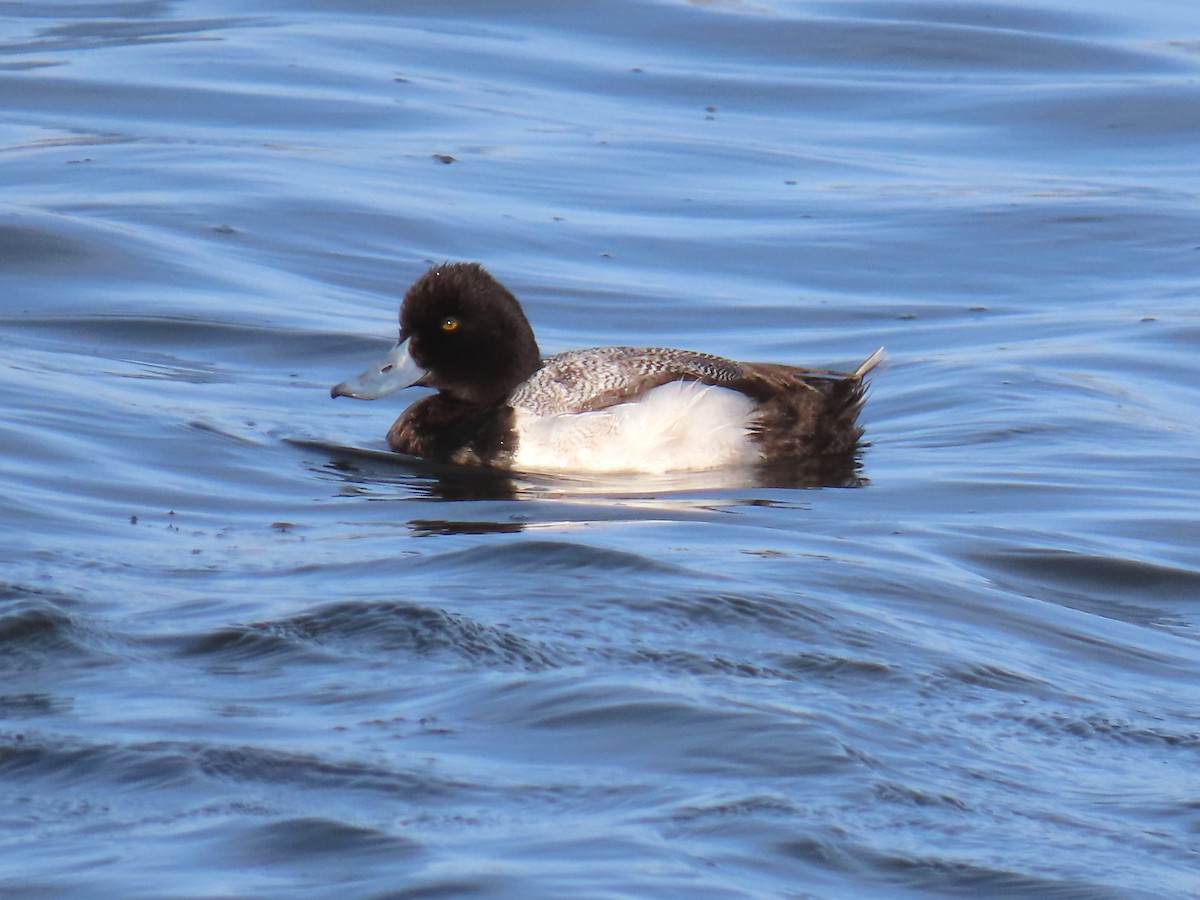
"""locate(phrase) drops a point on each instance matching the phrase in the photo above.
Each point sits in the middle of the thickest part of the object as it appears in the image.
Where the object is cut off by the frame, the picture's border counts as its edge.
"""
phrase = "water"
(244, 653)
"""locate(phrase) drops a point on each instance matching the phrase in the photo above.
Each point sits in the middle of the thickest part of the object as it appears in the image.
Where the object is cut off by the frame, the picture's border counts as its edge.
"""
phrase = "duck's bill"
(394, 372)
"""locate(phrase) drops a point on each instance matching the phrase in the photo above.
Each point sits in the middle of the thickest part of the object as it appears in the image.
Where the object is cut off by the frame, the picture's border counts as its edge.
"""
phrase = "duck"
(500, 404)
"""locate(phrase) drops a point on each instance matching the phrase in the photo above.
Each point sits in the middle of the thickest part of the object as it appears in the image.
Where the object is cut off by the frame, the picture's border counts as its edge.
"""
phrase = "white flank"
(674, 427)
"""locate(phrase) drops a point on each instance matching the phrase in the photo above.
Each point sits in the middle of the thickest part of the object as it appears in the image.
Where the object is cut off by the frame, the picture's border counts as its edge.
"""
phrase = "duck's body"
(606, 409)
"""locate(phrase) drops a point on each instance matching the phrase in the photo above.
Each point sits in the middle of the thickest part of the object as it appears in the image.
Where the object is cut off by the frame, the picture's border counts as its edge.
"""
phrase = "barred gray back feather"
(586, 380)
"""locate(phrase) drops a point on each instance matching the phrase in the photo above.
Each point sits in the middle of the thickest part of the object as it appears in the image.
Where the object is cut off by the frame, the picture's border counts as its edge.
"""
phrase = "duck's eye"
(449, 324)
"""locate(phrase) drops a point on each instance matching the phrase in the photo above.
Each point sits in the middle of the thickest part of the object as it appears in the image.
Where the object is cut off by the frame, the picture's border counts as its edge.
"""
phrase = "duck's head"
(462, 332)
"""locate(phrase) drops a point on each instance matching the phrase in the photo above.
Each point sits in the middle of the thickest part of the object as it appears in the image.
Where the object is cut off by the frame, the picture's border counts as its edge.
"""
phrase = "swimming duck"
(600, 410)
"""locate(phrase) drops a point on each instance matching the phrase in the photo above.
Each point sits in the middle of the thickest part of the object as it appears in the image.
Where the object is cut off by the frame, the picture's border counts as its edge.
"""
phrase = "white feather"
(677, 426)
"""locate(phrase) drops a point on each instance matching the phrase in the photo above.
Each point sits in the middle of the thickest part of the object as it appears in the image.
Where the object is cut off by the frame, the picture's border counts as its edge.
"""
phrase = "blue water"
(243, 652)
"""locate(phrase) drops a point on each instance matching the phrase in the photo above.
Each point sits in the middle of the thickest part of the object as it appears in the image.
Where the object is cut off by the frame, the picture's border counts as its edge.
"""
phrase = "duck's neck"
(511, 363)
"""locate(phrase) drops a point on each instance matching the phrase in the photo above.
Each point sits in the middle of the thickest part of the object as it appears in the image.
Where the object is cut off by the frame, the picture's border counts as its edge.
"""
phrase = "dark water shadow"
(369, 468)
(373, 469)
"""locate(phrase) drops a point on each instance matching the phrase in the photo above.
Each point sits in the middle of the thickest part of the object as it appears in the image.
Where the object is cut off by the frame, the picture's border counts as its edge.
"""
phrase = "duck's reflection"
(431, 527)
(389, 476)
(455, 482)
(371, 470)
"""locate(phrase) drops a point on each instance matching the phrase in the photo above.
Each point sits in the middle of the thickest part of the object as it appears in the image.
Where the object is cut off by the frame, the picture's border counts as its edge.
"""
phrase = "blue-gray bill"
(394, 372)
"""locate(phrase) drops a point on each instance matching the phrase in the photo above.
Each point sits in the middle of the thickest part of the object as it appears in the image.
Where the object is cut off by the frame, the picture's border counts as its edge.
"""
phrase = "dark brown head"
(461, 332)
(468, 333)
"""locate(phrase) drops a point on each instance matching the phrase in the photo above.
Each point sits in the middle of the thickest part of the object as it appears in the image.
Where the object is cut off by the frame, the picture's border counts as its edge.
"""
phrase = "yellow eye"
(449, 324)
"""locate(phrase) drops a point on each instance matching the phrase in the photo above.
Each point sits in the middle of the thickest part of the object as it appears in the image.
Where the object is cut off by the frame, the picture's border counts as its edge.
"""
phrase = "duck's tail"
(870, 363)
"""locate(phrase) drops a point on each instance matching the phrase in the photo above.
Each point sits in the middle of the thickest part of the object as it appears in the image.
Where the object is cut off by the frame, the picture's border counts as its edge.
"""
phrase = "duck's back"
(610, 409)
(579, 381)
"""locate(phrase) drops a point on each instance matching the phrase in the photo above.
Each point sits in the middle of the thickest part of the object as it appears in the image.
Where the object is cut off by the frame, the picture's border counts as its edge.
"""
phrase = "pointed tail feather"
(870, 363)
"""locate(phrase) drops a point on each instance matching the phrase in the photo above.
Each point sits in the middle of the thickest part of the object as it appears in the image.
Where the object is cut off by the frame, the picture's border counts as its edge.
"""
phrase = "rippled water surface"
(243, 652)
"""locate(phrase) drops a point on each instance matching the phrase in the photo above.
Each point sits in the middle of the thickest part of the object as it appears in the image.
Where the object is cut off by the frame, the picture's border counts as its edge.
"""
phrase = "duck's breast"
(677, 426)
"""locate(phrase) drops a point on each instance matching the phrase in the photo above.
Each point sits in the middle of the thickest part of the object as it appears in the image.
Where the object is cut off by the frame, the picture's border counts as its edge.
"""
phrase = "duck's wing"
(781, 375)
(587, 380)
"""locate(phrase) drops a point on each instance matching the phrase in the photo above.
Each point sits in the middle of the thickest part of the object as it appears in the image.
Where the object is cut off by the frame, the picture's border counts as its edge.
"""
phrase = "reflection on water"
(430, 527)
(368, 470)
